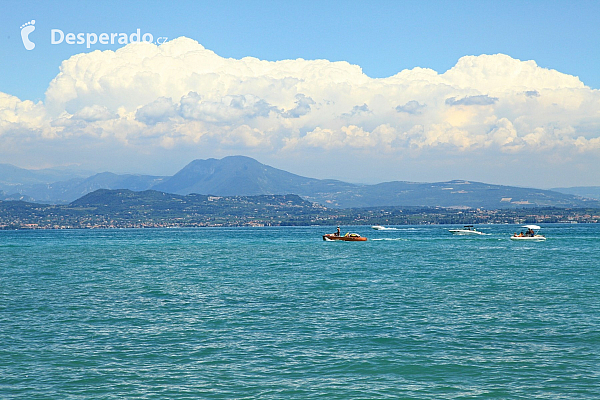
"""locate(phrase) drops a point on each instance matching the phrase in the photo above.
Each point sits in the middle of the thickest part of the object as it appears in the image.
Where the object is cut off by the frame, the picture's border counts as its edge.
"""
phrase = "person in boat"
(338, 233)
(529, 232)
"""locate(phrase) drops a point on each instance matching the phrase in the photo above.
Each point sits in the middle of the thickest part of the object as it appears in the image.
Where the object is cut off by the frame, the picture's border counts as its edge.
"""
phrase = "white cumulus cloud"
(180, 94)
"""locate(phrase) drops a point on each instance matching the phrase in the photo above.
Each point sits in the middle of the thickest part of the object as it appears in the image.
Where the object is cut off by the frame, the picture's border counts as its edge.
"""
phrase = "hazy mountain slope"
(243, 176)
(454, 194)
(117, 199)
(67, 191)
(11, 176)
(590, 192)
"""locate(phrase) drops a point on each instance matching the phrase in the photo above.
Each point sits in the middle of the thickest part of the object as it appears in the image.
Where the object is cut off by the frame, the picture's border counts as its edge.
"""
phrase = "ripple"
(275, 313)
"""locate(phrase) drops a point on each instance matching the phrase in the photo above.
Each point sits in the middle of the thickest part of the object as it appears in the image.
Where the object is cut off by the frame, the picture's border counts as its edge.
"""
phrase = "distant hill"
(452, 194)
(156, 208)
(123, 208)
(11, 176)
(67, 191)
(24, 184)
(15, 197)
(244, 176)
(590, 192)
(62, 192)
(124, 199)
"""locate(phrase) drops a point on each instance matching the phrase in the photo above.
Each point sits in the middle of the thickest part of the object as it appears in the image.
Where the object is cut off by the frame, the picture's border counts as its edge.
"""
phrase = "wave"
(384, 228)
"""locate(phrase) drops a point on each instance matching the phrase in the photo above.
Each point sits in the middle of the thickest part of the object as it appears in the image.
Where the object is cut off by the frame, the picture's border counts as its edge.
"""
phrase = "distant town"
(153, 209)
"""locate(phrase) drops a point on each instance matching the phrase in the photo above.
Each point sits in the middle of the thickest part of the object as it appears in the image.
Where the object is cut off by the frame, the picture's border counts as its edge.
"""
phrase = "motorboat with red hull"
(348, 237)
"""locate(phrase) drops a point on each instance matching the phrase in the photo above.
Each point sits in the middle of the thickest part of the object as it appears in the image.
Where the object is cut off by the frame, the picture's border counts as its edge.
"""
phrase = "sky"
(366, 92)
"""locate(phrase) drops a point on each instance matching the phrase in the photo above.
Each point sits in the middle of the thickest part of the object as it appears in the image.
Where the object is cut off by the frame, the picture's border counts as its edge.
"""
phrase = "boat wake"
(384, 228)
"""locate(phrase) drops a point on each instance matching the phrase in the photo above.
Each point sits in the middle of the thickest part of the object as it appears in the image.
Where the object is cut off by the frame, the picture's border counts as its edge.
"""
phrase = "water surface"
(276, 313)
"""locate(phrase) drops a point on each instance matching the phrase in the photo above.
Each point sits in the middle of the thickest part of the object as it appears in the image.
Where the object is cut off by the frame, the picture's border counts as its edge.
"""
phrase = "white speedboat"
(529, 235)
(467, 230)
(383, 228)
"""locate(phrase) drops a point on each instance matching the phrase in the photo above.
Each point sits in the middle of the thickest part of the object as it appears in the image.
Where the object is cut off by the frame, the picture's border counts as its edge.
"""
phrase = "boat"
(383, 228)
(348, 237)
(529, 235)
(467, 230)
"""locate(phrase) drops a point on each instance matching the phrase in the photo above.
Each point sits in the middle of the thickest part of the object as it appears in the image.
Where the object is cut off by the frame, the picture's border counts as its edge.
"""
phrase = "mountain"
(72, 189)
(244, 176)
(107, 199)
(15, 197)
(590, 192)
(67, 191)
(153, 208)
(24, 184)
(11, 176)
(123, 208)
(456, 194)
(126, 200)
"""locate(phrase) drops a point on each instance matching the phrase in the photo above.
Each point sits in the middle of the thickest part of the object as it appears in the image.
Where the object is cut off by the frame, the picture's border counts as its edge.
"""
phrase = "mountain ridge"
(590, 192)
(123, 208)
(241, 176)
(245, 176)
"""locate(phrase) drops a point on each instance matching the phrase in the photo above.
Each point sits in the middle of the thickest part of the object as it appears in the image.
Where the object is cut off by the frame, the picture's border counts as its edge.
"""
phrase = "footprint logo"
(26, 29)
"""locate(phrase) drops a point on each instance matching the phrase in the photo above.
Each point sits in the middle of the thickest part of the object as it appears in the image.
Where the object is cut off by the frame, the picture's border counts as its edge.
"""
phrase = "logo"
(89, 39)
(57, 36)
(26, 29)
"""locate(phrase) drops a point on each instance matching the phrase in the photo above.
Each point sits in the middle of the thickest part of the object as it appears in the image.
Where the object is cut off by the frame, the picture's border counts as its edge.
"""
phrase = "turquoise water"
(276, 313)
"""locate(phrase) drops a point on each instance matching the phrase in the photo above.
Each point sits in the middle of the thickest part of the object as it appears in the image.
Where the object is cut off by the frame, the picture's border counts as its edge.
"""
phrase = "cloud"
(303, 104)
(412, 107)
(229, 109)
(478, 100)
(181, 95)
(358, 110)
(160, 110)
(23, 118)
(499, 72)
(94, 113)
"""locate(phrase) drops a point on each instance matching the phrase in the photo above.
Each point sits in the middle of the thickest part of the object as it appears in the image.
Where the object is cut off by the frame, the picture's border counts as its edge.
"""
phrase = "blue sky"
(383, 38)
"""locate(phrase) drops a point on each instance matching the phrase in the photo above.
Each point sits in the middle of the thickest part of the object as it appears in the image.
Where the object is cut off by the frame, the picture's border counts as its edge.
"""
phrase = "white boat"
(467, 230)
(529, 235)
(383, 228)
(378, 227)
